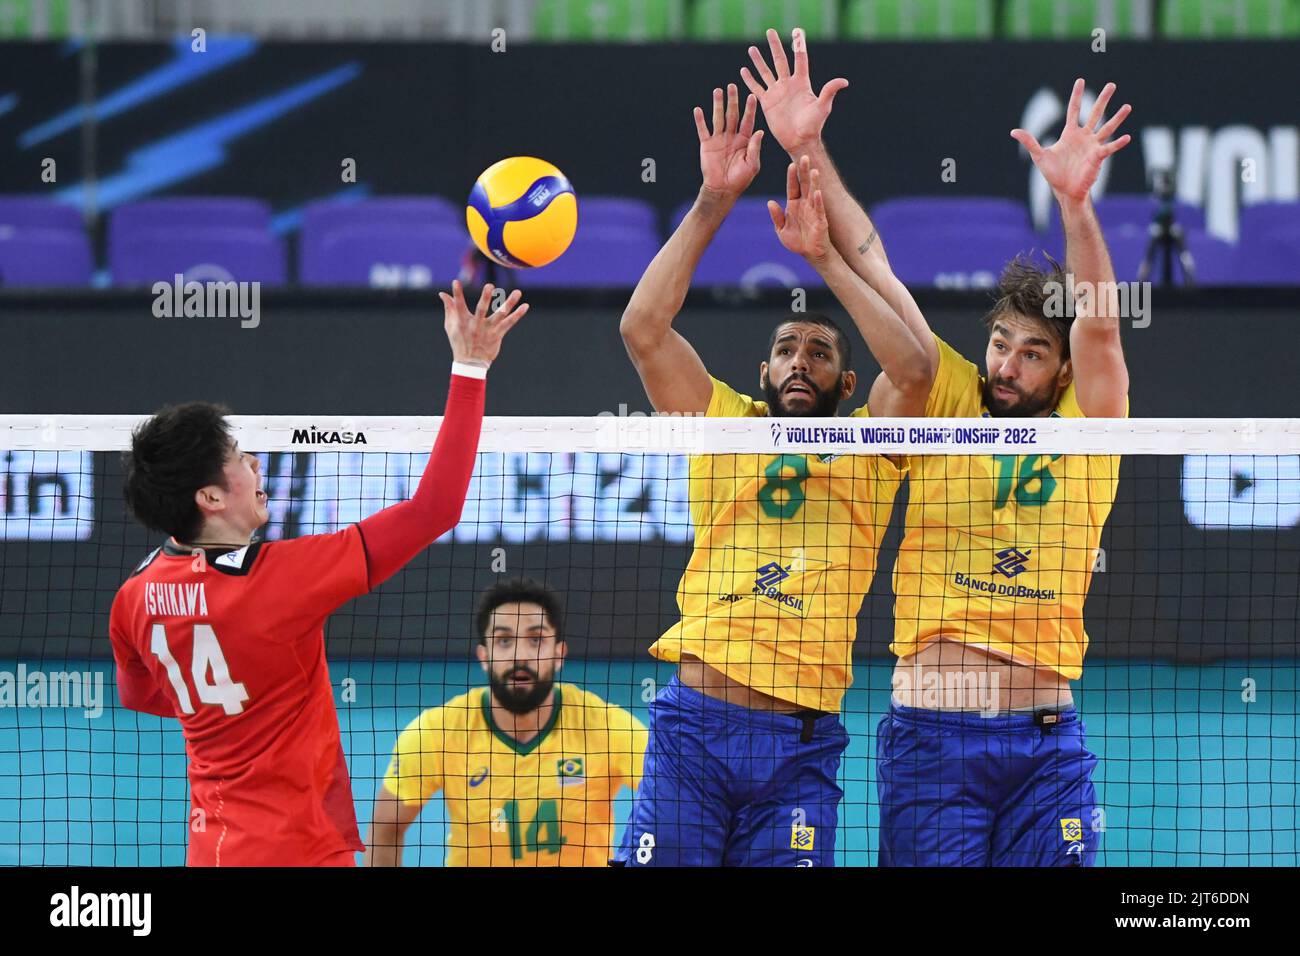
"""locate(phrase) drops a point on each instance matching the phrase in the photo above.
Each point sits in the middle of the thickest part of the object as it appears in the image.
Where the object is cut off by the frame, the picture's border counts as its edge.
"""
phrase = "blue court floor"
(1191, 774)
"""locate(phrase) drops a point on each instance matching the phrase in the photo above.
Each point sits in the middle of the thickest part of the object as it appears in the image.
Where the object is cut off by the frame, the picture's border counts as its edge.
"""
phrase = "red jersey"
(233, 645)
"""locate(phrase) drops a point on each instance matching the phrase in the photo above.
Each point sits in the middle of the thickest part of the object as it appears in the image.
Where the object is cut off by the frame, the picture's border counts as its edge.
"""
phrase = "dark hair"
(174, 454)
(518, 591)
(1023, 289)
(842, 345)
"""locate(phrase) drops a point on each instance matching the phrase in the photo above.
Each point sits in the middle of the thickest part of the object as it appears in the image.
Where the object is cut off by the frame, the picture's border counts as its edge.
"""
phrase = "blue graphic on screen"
(185, 69)
(200, 148)
(513, 497)
(1242, 491)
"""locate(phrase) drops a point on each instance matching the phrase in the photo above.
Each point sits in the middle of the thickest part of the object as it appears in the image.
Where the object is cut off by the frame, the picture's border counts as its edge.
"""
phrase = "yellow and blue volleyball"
(522, 212)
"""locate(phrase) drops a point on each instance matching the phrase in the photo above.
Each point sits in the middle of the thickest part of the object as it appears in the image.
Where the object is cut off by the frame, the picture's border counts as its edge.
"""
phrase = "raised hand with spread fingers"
(1072, 163)
(1071, 166)
(729, 152)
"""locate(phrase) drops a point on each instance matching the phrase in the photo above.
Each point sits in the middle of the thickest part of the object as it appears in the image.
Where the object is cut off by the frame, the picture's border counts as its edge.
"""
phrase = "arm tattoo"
(862, 249)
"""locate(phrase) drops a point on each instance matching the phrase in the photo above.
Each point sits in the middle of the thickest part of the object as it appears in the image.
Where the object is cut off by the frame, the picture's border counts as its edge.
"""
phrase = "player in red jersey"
(226, 633)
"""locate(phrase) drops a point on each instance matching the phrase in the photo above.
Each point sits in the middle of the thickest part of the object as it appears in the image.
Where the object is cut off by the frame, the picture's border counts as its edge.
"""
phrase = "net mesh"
(789, 554)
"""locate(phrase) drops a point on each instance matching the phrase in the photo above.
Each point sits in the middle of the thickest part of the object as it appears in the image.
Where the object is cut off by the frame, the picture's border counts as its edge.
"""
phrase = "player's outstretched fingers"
(1110, 149)
(1028, 141)
(827, 96)
(760, 64)
(507, 322)
(458, 293)
(805, 176)
(754, 86)
(718, 111)
(701, 128)
(792, 182)
(511, 301)
(779, 61)
(747, 120)
(1099, 107)
(1076, 100)
(484, 301)
(777, 213)
(752, 149)
(799, 44)
(1112, 124)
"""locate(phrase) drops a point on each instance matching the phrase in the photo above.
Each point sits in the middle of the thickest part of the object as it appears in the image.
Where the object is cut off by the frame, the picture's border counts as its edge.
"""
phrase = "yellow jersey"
(548, 802)
(999, 549)
(785, 550)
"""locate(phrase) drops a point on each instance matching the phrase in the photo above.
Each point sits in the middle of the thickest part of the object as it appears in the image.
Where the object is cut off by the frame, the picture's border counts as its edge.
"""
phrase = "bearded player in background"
(226, 632)
(528, 767)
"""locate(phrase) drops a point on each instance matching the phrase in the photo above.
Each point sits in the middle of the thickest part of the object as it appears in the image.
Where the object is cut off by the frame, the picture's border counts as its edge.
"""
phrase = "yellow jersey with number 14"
(785, 550)
(548, 802)
(1000, 549)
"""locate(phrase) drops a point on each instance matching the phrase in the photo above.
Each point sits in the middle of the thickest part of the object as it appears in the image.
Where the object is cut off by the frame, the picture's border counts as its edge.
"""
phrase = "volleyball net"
(1172, 544)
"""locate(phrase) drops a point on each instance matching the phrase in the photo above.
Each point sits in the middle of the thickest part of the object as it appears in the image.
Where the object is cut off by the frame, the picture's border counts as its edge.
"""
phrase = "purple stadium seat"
(186, 213)
(956, 256)
(1133, 209)
(417, 210)
(615, 211)
(746, 252)
(386, 219)
(600, 257)
(1138, 208)
(386, 255)
(745, 258)
(320, 218)
(1269, 258)
(44, 257)
(1263, 218)
(38, 212)
(214, 254)
(915, 212)
(1215, 260)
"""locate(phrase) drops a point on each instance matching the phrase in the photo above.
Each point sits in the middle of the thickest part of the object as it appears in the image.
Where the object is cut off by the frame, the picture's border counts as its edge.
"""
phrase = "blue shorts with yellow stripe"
(961, 789)
(725, 785)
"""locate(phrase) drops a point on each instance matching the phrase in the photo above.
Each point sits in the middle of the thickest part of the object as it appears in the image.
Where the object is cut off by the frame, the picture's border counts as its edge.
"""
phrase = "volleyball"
(522, 212)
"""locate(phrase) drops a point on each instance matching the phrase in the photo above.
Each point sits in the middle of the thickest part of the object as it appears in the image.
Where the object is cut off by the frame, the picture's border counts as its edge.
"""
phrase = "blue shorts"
(726, 785)
(960, 789)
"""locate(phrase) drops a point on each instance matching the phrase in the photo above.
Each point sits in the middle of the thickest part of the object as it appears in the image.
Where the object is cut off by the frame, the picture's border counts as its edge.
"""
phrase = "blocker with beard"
(785, 546)
(528, 767)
